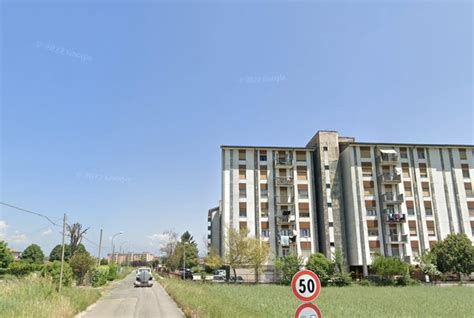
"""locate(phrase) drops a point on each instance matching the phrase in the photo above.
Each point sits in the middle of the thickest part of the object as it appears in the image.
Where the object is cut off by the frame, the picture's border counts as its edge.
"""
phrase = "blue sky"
(114, 112)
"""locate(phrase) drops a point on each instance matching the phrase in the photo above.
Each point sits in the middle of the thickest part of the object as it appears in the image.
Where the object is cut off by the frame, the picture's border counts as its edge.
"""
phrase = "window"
(264, 190)
(285, 252)
(410, 208)
(264, 209)
(265, 233)
(403, 153)
(428, 208)
(326, 167)
(412, 227)
(303, 191)
(406, 170)
(301, 156)
(325, 148)
(366, 169)
(468, 189)
(242, 172)
(301, 173)
(372, 228)
(431, 228)
(263, 155)
(462, 154)
(329, 205)
(263, 172)
(305, 232)
(465, 171)
(415, 249)
(242, 190)
(374, 247)
(408, 191)
(365, 152)
(303, 210)
(423, 170)
(470, 207)
(331, 224)
(371, 207)
(328, 186)
(242, 209)
(242, 154)
(420, 153)
(426, 189)
(368, 188)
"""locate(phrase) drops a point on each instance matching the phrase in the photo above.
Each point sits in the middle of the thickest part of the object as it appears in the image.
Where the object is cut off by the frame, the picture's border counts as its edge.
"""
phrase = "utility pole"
(62, 255)
(100, 246)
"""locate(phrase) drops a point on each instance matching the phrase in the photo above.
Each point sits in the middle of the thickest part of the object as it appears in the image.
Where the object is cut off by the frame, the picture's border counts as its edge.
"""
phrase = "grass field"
(36, 297)
(222, 300)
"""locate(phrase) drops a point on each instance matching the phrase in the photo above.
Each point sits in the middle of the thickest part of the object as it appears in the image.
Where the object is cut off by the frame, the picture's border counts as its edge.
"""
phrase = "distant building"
(128, 258)
(365, 198)
(16, 255)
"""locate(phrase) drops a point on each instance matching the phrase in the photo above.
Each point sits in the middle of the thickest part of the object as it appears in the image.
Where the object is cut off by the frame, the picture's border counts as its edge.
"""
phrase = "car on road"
(143, 277)
(185, 273)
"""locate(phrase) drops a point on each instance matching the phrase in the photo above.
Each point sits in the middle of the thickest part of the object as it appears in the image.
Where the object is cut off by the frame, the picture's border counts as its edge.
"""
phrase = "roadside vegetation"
(31, 284)
(229, 300)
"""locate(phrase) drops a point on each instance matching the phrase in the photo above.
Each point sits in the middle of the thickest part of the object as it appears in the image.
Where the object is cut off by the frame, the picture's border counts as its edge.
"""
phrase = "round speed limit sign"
(306, 285)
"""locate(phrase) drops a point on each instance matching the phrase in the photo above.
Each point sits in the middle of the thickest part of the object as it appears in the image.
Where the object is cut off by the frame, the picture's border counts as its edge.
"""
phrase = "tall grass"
(37, 297)
(227, 300)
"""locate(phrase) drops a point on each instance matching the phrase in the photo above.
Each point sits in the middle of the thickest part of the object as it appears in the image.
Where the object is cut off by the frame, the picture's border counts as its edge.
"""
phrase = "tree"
(237, 249)
(6, 256)
(33, 254)
(75, 233)
(321, 266)
(168, 247)
(288, 266)
(258, 255)
(53, 270)
(80, 264)
(454, 254)
(213, 260)
(55, 254)
(187, 247)
(387, 267)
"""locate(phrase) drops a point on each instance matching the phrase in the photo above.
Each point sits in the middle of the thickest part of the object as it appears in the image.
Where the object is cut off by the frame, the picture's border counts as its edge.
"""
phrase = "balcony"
(394, 217)
(284, 181)
(283, 162)
(392, 198)
(388, 157)
(397, 238)
(285, 219)
(390, 178)
(285, 200)
(286, 240)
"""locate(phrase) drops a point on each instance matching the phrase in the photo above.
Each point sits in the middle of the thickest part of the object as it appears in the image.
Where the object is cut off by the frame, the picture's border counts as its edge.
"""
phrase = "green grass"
(37, 297)
(223, 300)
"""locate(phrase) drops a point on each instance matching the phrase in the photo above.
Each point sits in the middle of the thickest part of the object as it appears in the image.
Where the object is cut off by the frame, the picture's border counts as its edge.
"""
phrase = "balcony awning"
(390, 151)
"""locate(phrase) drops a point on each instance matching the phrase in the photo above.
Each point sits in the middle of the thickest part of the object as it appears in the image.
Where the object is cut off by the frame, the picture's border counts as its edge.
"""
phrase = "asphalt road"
(126, 301)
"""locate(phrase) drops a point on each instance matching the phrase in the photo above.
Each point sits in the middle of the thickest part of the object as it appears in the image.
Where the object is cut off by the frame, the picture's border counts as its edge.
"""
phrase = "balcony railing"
(285, 199)
(285, 219)
(390, 197)
(390, 178)
(284, 181)
(283, 162)
(397, 238)
(388, 158)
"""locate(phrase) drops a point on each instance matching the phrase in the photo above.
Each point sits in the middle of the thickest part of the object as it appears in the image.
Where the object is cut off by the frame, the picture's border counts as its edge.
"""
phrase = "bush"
(33, 254)
(341, 279)
(81, 263)
(113, 272)
(288, 266)
(23, 268)
(387, 267)
(53, 270)
(321, 266)
(364, 282)
(100, 275)
(5, 255)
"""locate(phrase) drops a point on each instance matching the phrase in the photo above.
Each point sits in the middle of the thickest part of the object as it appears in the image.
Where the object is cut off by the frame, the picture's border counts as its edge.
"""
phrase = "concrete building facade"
(365, 198)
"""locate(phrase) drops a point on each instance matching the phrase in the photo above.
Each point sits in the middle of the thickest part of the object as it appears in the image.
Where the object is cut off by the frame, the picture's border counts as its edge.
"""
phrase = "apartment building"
(214, 229)
(270, 192)
(128, 258)
(366, 198)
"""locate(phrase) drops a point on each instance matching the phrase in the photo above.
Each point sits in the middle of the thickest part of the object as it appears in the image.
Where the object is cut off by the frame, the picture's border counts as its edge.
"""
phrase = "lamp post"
(113, 245)
(184, 259)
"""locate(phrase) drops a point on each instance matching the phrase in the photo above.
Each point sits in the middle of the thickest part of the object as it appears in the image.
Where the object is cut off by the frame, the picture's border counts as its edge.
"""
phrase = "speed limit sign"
(308, 311)
(306, 285)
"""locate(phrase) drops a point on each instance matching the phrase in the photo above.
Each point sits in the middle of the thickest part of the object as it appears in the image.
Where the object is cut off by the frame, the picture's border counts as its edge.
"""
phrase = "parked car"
(220, 272)
(143, 277)
(218, 279)
(240, 280)
(185, 273)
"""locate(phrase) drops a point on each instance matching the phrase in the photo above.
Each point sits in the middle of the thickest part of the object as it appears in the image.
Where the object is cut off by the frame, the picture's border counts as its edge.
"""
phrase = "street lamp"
(113, 245)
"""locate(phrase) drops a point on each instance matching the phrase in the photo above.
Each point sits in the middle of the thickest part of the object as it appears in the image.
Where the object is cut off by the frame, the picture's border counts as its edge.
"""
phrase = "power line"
(31, 212)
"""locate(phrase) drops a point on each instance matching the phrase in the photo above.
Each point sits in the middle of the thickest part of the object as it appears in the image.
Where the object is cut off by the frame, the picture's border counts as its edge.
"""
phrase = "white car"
(144, 277)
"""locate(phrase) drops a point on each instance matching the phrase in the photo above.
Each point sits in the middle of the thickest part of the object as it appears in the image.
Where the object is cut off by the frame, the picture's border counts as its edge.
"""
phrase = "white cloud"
(18, 238)
(47, 232)
(3, 228)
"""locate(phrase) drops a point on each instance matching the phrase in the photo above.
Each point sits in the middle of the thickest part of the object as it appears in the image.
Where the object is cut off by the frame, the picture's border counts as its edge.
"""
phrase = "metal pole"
(62, 255)
(100, 246)
(184, 261)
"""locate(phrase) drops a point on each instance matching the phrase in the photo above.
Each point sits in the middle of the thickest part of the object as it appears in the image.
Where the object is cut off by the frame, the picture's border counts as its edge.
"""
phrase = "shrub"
(364, 282)
(387, 267)
(22, 268)
(341, 279)
(5, 255)
(53, 270)
(288, 266)
(321, 266)
(113, 272)
(99, 275)
(81, 263)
